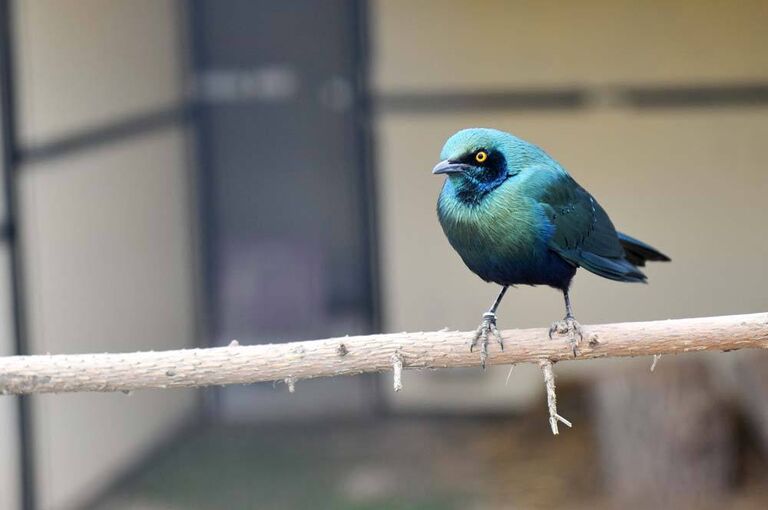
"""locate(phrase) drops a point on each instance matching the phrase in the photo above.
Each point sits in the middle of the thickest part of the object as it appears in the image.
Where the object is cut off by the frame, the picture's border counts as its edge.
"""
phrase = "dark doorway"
(285, 182)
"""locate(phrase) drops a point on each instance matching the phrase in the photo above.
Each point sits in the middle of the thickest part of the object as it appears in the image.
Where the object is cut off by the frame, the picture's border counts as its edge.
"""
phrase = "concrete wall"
(690, 181)
(105, 230)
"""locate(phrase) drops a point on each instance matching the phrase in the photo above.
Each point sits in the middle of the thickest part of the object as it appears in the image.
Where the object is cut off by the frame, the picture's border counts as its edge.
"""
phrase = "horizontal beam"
(695, 95)
(117, 131)
(291, 362)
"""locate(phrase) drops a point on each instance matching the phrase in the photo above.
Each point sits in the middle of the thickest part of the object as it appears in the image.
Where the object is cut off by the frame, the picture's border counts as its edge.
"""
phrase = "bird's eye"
(481, 156)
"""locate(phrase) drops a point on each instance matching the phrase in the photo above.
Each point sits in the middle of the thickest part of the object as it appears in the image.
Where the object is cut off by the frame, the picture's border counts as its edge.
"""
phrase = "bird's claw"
(487, 327)
(568, 326)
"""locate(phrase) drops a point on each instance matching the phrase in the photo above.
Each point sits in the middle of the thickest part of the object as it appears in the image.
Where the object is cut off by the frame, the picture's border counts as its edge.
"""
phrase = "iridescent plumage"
(515, 216)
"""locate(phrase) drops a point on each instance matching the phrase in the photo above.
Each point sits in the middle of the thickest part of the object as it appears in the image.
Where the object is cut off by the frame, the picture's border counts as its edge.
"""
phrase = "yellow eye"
(481, 156)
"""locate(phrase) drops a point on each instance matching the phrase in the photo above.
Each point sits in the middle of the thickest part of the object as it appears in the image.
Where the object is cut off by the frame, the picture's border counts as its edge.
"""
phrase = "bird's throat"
(471, 190)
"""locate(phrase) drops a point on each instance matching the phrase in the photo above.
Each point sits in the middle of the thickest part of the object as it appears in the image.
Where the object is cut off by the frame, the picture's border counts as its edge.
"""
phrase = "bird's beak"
(449, 167)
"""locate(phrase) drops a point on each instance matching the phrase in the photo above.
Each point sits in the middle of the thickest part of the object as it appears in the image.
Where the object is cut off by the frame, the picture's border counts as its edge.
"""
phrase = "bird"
(517, 217)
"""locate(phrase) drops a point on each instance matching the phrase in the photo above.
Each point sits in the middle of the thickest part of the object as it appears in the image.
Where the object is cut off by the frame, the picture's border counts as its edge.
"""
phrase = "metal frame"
(363, 112)
(202, 184)
(103, 135)
(672, 96)
(10, 161)
(363, 118)
(366, 156)
(514, 99)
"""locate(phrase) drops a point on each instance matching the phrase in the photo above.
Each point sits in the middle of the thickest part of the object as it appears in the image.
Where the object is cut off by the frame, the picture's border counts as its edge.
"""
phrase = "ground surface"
(391, 464)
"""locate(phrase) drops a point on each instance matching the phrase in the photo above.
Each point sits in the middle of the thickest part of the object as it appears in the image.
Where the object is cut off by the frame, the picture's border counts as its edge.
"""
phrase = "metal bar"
(204, 184)
(9, 164)
(726, 95)
(366, 156)
(428, 102)
(364, 114)
(102, 135)
(656, 96)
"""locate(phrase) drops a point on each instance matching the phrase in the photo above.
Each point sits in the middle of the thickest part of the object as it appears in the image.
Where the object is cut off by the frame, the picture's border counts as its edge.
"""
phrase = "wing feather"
(583, 233)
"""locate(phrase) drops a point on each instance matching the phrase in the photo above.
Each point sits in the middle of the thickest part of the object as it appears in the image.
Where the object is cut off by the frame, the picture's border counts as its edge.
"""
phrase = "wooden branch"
(239, 364)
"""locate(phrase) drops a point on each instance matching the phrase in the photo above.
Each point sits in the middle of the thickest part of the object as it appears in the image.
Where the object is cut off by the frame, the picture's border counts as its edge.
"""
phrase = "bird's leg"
(568, 326)
(488, 326)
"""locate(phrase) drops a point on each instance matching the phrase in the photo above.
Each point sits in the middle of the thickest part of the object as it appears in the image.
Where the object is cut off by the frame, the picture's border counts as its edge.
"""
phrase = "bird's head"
(478, 160)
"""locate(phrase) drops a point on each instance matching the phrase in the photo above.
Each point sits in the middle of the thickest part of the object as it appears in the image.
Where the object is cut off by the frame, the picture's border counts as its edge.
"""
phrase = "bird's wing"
(583, 233)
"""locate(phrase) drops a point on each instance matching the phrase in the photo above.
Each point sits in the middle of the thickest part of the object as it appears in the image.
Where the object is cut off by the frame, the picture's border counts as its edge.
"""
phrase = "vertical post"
(363, 112)
(9, 154)
(366, 160)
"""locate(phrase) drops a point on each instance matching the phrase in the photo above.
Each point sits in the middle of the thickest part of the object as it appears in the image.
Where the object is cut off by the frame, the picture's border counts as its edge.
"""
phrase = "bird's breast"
(501, 239)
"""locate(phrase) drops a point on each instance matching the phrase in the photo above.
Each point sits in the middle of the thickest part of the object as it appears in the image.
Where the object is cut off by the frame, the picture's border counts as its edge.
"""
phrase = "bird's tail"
(638, 253)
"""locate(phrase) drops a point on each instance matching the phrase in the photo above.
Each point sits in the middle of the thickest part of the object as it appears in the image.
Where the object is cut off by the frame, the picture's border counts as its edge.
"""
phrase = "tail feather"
(638, 253)
(614, 269)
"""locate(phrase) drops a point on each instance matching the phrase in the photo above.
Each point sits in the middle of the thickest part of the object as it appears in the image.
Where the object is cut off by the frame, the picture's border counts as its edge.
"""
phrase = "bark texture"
(239, 364)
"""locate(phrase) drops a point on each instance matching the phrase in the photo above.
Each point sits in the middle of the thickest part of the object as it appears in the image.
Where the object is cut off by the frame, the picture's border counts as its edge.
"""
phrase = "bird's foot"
(568, 326)
(486, 328)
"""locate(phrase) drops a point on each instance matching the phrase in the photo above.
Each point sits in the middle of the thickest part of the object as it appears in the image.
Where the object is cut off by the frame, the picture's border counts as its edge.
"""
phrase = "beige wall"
(105, 231)
(691, 181)
(85, 63)
(107, 252)
(458, 44)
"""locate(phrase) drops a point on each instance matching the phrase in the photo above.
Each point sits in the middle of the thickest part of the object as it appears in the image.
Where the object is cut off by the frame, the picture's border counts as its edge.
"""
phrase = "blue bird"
(515, 216)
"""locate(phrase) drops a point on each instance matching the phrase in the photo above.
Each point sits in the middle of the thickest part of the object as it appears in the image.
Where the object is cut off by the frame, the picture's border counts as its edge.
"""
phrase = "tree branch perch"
(241, 364)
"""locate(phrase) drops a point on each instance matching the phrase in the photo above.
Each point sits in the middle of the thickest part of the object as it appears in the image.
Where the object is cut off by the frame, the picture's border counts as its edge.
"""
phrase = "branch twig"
(397, 371)
(549, 384)
(240, 364)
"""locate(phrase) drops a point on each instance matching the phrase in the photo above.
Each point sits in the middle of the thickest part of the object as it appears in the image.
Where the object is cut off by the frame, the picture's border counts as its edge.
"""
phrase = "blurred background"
(186, 173)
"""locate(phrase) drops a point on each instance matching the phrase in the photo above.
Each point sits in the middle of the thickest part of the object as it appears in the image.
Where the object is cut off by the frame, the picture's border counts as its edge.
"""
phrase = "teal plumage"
(515, 216)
